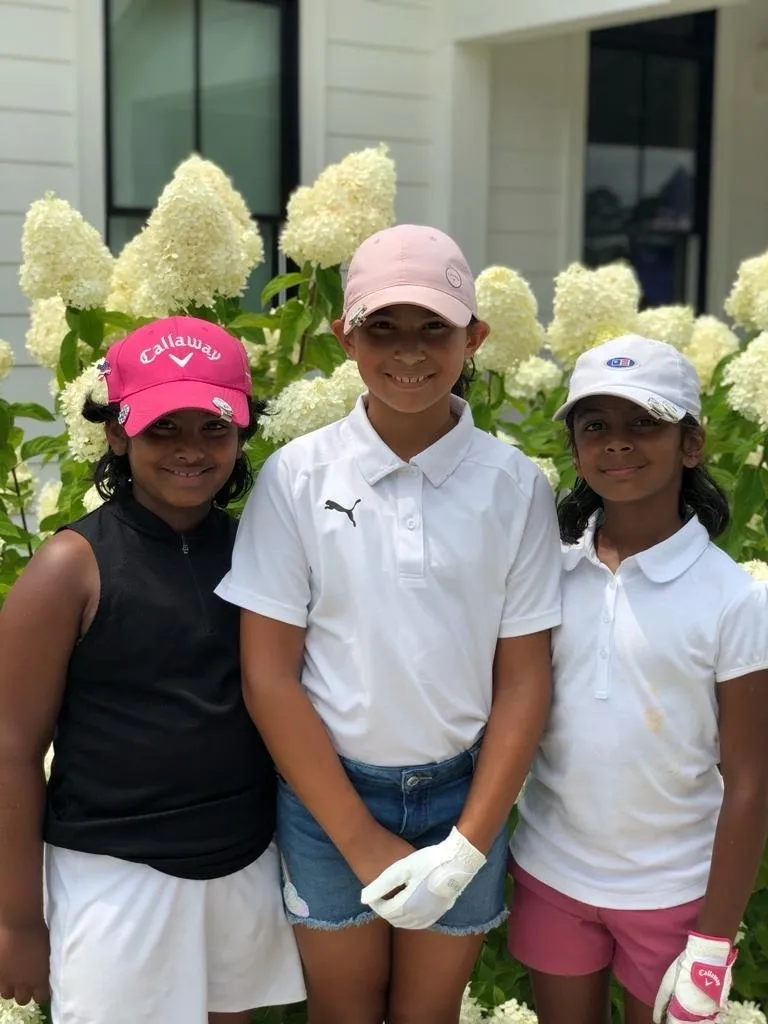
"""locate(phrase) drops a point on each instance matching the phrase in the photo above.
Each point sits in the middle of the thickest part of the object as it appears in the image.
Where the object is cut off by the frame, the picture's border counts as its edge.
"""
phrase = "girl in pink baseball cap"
(162, 880)
(399, 571)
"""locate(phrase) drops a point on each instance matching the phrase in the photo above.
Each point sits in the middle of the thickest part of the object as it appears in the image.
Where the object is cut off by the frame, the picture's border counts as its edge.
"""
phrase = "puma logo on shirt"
(335, 507)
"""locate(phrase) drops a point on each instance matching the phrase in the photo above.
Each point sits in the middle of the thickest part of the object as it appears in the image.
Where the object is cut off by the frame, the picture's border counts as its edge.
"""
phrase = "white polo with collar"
(405, 574)
(622, 803)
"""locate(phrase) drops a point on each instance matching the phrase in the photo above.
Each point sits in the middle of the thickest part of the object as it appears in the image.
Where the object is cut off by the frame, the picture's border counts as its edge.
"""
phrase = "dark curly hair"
(112, 472)
(699, 494)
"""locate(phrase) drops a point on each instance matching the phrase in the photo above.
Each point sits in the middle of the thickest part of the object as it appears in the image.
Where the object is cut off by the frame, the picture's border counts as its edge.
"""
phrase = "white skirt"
(130, 944)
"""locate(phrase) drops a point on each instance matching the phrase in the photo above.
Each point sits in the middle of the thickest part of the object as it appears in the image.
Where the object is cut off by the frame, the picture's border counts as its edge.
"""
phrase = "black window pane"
(615, 96)
(240, 97)
(151, 93)
(672, 98)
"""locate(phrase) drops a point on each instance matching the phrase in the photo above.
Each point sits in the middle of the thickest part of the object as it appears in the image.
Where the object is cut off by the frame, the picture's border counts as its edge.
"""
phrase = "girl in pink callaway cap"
(399, 572)
(162, 881)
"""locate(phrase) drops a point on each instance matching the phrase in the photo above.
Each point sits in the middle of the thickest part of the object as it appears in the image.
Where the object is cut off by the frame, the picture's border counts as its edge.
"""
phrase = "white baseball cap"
(649, 373)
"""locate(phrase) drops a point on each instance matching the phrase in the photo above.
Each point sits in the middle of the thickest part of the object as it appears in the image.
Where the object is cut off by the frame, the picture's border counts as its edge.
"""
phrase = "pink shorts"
(554, 934)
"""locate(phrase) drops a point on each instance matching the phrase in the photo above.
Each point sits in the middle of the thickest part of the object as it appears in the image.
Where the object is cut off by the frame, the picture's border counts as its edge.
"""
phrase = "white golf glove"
(433, 879)
(697, 983)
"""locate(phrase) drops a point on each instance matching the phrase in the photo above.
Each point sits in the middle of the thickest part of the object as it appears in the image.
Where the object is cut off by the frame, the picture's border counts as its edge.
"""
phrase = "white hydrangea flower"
(591, 306)
(471, 1011)
(505, 301)
(63, 255)
(533, 377)
(198, 245)
(6, 359)
(47, 329)
(502, 435)
(47, 762)
(711, 341)
(514, 1013)
(12, 1013)
(747, 379)
(756, 457)
(87, 441)
(92, 500)
(549, 469)
(756, 568)
(349, 202)
(48, 499)
(742, 1013)
(747, 303)
(311, 403)
(672, 324)
(741, 934)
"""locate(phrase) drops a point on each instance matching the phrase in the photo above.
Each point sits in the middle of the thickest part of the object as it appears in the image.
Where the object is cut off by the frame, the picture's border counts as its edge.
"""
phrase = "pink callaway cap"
(413, 264)
(177, 363)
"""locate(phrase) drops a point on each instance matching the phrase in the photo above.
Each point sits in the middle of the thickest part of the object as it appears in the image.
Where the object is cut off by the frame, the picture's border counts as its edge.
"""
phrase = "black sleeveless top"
(156, 759)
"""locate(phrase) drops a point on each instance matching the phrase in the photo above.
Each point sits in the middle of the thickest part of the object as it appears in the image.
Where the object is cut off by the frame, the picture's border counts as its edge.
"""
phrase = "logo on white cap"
(453, 277)
(620, 363)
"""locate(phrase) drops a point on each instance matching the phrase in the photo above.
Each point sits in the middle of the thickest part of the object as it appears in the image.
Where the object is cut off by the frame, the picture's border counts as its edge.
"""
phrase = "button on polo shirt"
(405, 574)
(622, 803)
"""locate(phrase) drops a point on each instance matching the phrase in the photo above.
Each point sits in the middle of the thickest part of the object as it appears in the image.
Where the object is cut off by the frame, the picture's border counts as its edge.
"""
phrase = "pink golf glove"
(697, 983)
(433, 879)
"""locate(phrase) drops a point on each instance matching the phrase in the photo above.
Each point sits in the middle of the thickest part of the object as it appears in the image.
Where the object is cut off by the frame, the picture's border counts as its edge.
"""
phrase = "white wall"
(494, 19)
(536, 164)
(739, 208)
(367, 77)
(49, 54)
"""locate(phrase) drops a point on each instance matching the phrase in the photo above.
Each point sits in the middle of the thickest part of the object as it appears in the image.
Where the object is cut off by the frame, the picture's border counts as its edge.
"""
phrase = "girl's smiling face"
(181, 461)
(626, 455)
(408, 356)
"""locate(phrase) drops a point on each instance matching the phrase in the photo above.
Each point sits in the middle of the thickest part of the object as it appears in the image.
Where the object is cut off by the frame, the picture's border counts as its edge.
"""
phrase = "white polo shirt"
(404, 574)
(622, 803)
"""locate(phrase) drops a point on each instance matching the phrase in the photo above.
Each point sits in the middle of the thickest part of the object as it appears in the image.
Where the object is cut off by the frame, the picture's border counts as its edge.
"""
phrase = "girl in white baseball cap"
(644, 819)
(399, 572)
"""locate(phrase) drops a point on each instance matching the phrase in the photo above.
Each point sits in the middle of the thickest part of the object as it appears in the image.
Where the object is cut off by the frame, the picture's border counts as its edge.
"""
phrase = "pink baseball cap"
(177, 363)
(413, 264)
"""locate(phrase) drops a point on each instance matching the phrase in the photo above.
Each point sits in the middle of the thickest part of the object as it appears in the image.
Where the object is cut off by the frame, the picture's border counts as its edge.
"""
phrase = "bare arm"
(522, 691)
(39, 626)
(743, 822)
(272, 653)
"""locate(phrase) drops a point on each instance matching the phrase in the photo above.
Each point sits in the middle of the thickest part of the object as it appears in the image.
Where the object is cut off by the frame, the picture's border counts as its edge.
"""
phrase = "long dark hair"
(112, 473)
(699, 494)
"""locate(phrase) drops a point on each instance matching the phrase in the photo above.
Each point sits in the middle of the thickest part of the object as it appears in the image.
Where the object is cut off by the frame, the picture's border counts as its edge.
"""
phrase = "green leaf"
(281, 283)
(69, 363)
(50, 447)
(6, 422)
(331, 291)
(323, 352)
(256, 321)
(91, 328)
(32, 411)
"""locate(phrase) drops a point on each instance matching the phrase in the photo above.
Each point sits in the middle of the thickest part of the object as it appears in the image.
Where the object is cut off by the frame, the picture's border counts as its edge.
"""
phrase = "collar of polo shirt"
(375, 460)
(660, 564)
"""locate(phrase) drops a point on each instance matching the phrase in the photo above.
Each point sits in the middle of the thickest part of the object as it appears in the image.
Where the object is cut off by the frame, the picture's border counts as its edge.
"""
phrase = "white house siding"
(739, 208)
(537, 139)
(47, 134)
(371, 82)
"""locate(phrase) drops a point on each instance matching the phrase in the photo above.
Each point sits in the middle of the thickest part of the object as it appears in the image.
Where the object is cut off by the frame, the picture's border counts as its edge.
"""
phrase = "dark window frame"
(289, 116)
(699, 46)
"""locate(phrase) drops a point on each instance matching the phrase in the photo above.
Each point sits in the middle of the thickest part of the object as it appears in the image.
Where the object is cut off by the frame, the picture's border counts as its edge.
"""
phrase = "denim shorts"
(421, 803)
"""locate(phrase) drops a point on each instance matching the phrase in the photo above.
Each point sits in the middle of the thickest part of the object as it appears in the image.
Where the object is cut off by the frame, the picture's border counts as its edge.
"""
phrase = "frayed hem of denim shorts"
(479, 929)
(332, 926)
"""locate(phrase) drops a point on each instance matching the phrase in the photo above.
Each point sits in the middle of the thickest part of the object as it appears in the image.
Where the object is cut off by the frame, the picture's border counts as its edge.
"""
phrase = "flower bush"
(195, 255)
